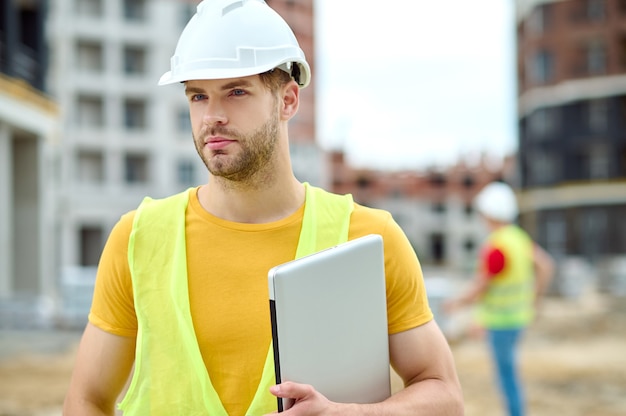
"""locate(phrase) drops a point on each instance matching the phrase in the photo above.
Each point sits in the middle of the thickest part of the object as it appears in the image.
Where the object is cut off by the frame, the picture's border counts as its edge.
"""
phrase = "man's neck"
(252, 204)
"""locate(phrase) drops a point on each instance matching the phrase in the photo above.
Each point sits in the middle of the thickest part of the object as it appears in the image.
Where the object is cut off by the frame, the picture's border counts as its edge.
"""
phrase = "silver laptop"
(329, 322)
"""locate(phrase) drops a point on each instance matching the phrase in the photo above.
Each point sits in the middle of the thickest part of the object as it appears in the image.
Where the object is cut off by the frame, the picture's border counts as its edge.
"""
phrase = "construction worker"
(512, 275)
(181, 294)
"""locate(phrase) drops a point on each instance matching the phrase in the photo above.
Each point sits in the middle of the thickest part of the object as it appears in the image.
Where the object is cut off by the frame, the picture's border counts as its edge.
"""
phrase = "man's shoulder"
(371, 212)
(368, 220)
(512, 230)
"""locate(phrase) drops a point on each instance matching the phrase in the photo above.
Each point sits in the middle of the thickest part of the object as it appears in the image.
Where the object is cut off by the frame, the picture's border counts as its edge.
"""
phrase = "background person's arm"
(103, 364)
(544, 271)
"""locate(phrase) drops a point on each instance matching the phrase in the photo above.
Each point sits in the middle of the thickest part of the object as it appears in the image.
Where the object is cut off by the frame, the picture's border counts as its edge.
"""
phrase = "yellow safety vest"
(170, 377)
(508, 302)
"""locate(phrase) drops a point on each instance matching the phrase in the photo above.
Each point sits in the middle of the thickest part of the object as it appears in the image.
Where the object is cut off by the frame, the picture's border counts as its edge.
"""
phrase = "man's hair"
(275, 79)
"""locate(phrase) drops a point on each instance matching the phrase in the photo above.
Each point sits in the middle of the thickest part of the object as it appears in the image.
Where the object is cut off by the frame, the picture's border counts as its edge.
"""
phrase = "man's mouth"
(217, 143)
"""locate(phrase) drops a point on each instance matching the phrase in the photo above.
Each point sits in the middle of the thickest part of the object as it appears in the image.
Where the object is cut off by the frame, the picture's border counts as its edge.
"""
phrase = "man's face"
(235, 125)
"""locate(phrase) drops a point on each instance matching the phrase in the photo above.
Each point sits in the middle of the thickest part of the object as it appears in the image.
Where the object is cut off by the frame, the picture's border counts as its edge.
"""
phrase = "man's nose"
(214, 113)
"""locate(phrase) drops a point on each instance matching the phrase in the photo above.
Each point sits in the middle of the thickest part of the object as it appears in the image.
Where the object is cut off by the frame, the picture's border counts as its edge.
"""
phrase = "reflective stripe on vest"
(508, 302)
(162, 384)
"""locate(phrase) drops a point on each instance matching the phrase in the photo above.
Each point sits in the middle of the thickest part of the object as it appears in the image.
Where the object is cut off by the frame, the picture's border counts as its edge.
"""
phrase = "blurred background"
(413, 108)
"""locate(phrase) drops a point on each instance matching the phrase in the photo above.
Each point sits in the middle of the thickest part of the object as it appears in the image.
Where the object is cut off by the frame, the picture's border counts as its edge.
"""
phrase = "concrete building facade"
(28, 140)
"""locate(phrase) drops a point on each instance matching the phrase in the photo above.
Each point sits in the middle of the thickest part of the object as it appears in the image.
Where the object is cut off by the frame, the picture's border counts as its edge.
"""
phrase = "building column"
(6, 223)
(26, 218)
(48, 214)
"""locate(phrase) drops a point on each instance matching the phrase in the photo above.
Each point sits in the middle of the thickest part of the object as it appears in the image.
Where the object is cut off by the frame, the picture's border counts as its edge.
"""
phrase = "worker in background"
(512, 275)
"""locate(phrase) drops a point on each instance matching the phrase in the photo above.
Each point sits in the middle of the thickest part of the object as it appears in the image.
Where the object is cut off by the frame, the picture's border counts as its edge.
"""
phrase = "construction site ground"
(573, 363)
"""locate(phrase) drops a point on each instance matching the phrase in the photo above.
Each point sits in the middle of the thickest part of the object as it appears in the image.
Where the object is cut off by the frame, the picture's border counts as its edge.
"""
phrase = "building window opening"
(363, 182)
(623, 162)
(134, 60)
(89, 56)
(595, 10)
(186, 173)
(542, 123)
(539, 21)
(183, 121)
(439, 207)
(598, 113)
(596, 58)
(599, 163)
(136, 169)
(134, 114)
(91, 8)
(437, 247)
(438, 180)
(135, 10)
(469, 245)
(91, 239)
(542, 67)
(90, 167)
(90, 111)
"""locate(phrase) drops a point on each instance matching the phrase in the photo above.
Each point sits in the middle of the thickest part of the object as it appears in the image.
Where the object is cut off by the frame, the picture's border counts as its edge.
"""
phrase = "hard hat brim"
(217, 73)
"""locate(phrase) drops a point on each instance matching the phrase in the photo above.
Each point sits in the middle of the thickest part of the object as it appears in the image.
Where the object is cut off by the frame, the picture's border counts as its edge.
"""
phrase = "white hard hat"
(497, 201)
(236, 38)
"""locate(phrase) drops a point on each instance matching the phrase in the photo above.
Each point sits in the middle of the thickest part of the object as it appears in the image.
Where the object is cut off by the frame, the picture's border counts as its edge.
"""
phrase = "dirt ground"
(573, 364)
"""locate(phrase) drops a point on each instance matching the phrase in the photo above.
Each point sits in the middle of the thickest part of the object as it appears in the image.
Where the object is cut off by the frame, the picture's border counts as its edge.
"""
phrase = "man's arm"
(544, 272)
(102, 366)
(421, 357)
(477, 287)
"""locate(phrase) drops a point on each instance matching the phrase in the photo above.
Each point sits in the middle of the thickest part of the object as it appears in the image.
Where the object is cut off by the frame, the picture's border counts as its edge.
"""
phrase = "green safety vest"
(508, 302)
(170, 377)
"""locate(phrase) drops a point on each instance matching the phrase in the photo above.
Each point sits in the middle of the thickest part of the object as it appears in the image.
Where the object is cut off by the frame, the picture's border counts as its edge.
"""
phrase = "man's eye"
(198, 97)
(238, 92)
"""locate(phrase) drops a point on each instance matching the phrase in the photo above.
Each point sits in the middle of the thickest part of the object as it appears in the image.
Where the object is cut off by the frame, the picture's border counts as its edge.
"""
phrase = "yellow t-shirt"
(227, 266)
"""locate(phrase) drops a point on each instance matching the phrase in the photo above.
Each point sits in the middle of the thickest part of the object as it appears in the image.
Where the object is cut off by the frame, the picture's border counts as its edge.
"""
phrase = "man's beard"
(256, 150)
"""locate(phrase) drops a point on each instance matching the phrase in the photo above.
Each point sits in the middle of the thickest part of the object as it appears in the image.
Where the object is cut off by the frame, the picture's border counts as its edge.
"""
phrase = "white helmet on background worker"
(498, 202)
(236, 38)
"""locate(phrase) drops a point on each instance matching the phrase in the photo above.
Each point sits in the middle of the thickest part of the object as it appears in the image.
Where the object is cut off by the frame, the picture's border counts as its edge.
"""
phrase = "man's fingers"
(292, 390)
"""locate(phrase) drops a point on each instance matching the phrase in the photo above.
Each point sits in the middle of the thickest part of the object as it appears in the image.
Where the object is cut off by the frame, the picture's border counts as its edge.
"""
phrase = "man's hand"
(307, 400)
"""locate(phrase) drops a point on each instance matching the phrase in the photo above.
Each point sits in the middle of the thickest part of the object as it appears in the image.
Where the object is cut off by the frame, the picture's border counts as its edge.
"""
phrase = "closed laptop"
(329, 322)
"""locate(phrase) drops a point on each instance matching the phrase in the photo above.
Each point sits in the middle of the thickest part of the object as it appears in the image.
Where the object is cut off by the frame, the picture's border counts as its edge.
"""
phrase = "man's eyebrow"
(238, 83)
(193, 90)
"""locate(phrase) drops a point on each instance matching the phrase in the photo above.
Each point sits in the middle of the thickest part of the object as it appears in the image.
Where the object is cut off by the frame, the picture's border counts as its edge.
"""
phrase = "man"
(512, 275)
(181, 292)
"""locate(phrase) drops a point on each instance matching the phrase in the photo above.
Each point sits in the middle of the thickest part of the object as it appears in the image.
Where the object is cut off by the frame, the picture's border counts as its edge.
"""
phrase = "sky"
(409, 84)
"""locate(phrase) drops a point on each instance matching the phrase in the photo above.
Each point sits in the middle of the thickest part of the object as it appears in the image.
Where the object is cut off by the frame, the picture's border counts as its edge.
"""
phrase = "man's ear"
(289, 100)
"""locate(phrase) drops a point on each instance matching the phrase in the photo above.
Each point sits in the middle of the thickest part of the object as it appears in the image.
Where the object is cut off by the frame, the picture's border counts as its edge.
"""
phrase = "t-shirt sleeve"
(407, 301)
(112, 307)
(493, 261)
